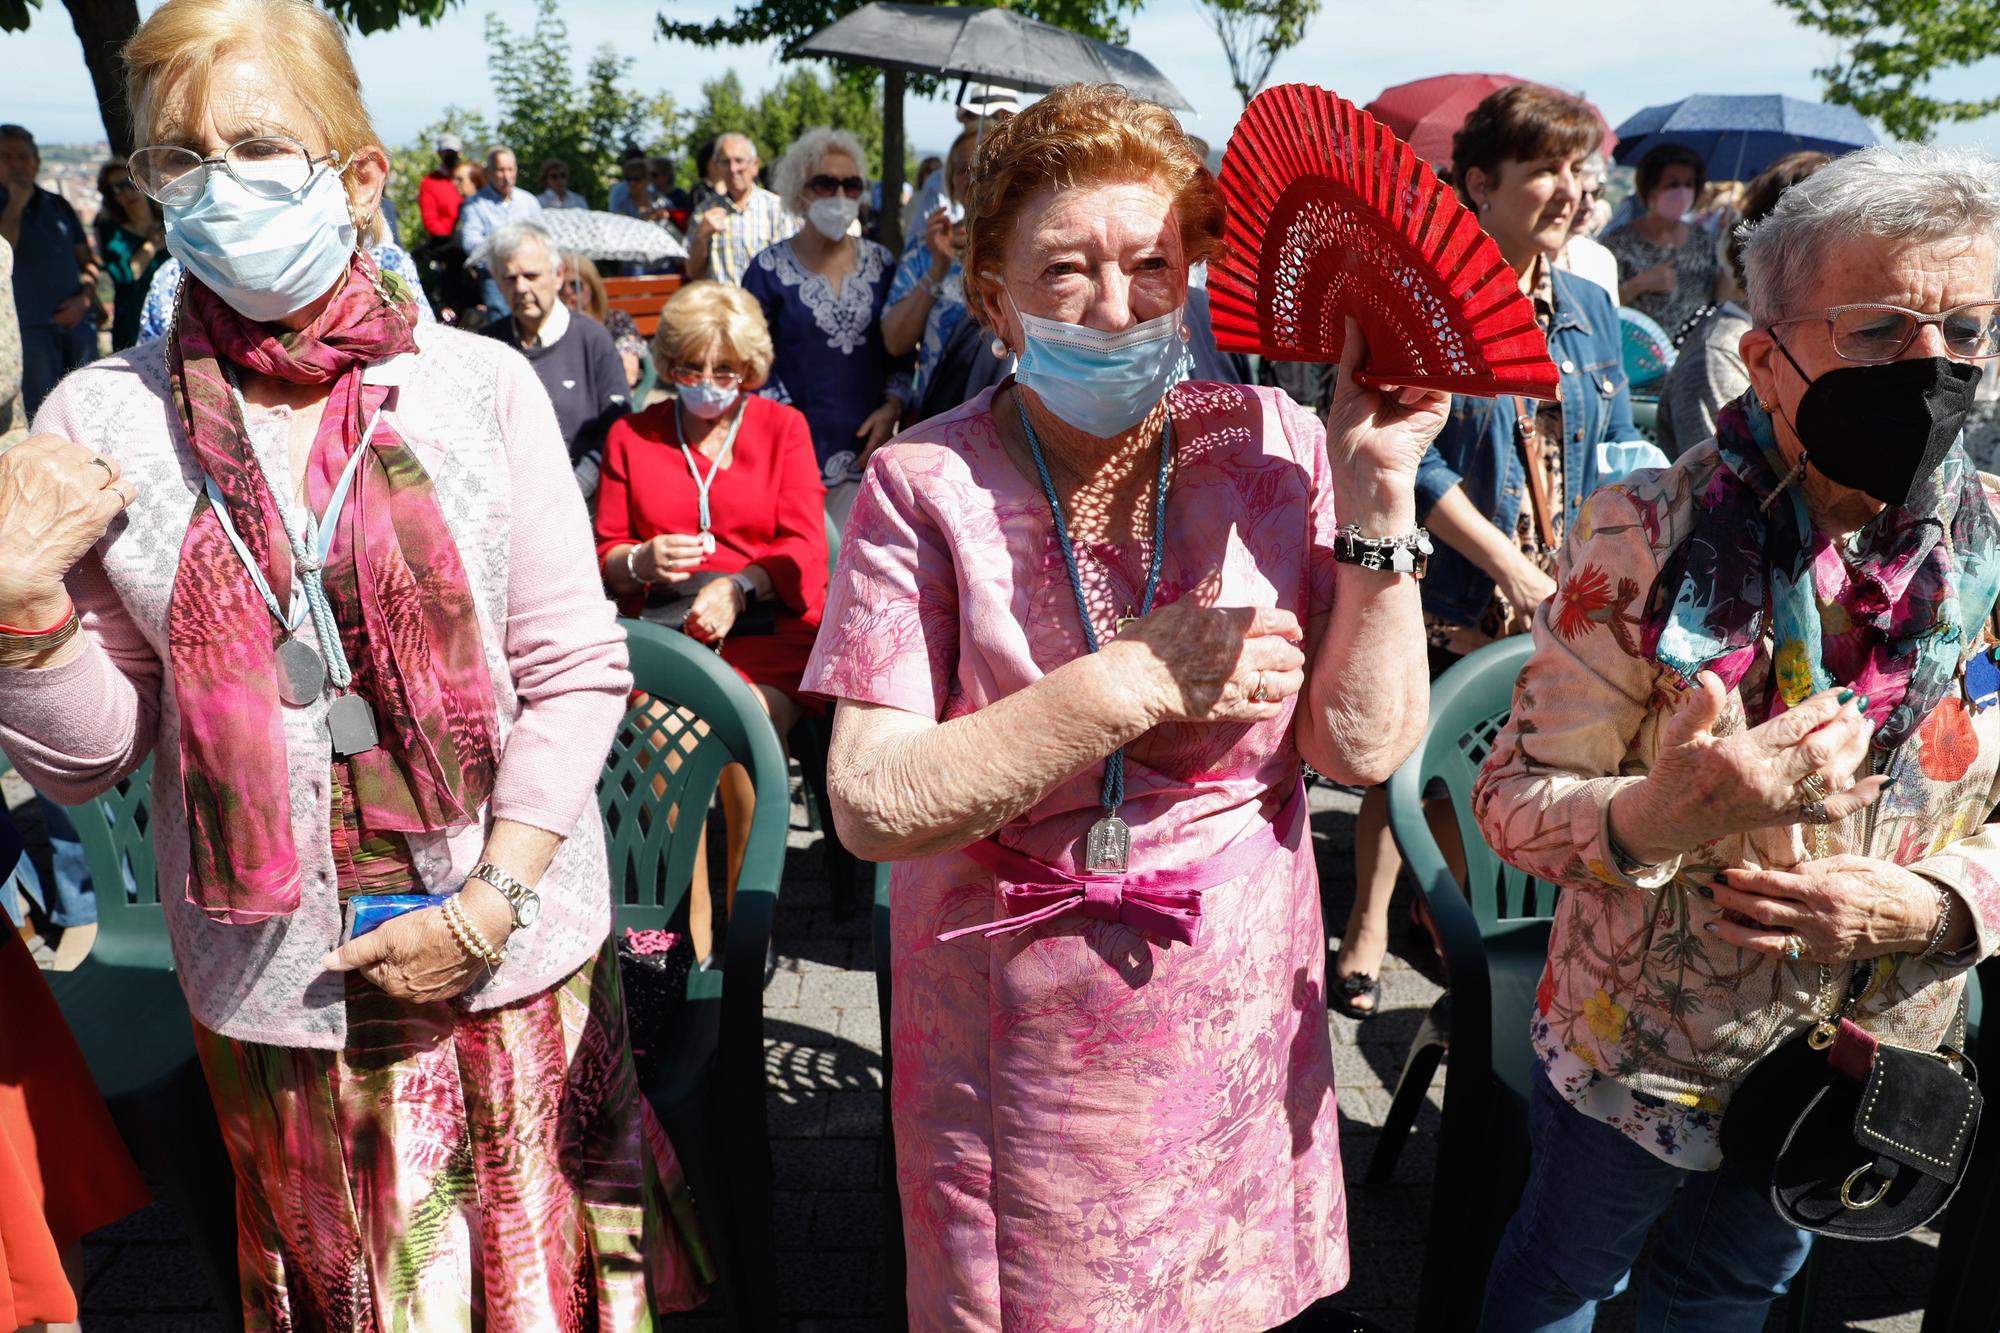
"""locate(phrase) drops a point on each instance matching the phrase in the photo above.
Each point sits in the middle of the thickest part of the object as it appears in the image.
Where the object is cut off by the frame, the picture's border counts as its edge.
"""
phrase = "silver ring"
(1813, 787)
(1814, 812)
(106, 466)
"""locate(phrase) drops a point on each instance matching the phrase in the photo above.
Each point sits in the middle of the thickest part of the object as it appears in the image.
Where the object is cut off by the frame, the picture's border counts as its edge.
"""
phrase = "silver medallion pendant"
(352, 723)
(301, 672)
(708, 543)
(1107, 849)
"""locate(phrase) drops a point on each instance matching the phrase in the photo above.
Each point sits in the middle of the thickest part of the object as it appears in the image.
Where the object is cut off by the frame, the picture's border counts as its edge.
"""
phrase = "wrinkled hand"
(1525, 586)
(416, 958)
(1375, 439)
(55, 503)
(715, 611)
(71, 312)
(1197, 662)
(669, 558)
(878, 427)
(712, 222)
(1704, 786)
(1842, 908)
(938, 240)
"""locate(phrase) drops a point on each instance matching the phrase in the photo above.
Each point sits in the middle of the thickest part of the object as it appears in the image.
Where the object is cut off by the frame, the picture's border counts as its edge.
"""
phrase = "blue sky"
(1623, 54)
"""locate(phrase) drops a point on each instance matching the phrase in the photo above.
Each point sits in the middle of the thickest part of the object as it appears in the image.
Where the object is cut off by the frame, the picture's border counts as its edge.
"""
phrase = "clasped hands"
(416, 958)
(1704, 786)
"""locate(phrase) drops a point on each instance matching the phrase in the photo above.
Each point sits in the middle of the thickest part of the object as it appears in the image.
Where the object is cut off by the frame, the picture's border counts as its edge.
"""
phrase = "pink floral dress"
(1096, 1129)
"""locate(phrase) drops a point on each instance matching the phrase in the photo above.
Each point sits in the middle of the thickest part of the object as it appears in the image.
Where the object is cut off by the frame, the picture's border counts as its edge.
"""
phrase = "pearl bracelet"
(1936, 946)
(467, 934)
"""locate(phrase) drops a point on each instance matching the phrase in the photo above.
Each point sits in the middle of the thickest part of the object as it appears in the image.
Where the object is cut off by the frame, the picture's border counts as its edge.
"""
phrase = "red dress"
(767, 508)
(63, 1169)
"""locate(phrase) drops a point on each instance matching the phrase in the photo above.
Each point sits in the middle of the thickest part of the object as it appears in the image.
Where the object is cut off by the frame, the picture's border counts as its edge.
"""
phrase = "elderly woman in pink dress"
(1086, 627)
(328, 568)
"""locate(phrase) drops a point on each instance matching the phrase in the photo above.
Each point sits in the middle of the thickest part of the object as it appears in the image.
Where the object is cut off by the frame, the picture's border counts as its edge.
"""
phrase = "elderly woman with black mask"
(1757, 749)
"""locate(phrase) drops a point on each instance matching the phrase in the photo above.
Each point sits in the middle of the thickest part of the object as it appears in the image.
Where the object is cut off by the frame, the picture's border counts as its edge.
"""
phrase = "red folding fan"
(1331, 215)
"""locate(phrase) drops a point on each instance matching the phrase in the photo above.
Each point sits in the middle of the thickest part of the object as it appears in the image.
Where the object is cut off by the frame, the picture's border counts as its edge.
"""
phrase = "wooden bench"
(642, 298)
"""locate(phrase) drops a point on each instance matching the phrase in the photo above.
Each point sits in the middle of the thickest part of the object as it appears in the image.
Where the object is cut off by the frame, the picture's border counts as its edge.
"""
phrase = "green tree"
(546, 112)
(1254, 33)
(1890, 49)
(104, 25)
(798, 102)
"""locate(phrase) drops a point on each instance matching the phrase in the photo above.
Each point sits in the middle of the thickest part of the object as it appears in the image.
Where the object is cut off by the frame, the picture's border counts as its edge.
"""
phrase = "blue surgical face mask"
(265, 257)
(705, 400)
(1101, 383)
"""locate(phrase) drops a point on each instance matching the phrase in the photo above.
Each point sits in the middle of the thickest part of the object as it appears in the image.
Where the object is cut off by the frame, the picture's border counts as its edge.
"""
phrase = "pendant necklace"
(303, 671)
(701, 483)
(1107, 849)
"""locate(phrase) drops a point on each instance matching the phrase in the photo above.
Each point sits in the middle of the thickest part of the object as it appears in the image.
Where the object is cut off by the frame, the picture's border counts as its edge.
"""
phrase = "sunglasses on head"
(824, 185)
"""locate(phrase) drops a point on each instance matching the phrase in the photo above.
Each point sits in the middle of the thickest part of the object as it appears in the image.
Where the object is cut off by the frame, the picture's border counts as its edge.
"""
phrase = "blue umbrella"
(1740, 136)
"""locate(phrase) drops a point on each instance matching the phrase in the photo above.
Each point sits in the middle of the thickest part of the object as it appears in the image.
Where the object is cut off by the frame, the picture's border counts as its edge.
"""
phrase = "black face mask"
(1884, 428)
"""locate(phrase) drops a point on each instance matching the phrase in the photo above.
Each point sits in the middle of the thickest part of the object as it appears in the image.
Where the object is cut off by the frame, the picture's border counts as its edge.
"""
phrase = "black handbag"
(1852, 1137)
(653, 970)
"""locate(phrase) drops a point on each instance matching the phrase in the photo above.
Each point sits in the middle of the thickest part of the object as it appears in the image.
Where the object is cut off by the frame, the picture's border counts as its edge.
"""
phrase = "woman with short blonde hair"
(707, 318)
(375, 753)
(1113, 1098)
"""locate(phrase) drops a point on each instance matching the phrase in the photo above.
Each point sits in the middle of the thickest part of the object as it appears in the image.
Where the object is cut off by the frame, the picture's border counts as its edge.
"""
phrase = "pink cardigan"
(481, 423)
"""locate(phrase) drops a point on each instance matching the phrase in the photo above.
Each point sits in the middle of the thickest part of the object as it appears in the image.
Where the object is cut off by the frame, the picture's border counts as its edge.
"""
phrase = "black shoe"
(1342, 992)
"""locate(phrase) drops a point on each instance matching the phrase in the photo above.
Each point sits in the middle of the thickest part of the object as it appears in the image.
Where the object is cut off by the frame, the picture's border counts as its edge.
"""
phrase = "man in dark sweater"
(572, 354)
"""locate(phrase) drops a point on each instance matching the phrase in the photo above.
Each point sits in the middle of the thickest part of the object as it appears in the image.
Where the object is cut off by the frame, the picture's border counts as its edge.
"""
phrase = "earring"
(999, 348)
(1485, 204)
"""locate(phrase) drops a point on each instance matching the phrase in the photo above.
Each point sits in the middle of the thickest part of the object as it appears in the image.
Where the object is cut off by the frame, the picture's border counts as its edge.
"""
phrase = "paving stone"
(848, 1220)
(792, 1213)
(149, 1278)
(855, 1114)
(826, 1164)
(840, 990)
(823, 1282)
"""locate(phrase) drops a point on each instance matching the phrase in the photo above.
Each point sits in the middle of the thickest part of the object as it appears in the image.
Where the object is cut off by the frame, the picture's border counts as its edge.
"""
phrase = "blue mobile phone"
(367, 911)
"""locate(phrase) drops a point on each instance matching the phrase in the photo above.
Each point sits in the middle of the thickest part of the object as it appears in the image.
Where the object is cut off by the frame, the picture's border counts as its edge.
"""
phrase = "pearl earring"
(999, 348)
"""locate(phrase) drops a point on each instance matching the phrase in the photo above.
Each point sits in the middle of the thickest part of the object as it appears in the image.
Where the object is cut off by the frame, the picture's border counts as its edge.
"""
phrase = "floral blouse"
(1643, 1019)
(948, 311)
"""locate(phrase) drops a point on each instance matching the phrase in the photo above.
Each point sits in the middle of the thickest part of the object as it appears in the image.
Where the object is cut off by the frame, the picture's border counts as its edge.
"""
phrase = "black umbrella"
(974, 44)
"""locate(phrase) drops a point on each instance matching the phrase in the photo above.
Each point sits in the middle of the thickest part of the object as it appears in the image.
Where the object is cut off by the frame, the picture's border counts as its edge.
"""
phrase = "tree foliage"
(545, 111)
(1254, 33)
(798, 102)
(1890, 49)
(792, 21)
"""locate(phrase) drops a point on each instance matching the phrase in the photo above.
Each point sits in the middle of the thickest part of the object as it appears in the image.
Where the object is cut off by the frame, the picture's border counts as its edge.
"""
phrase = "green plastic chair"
(130, 1018)
(709, 1093)
(1493, 934)
(1646, 417)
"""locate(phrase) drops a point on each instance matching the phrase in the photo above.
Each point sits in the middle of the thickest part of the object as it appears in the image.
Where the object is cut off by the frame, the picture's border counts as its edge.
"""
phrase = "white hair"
(506, 242)
(803, 158)
(1891, 192)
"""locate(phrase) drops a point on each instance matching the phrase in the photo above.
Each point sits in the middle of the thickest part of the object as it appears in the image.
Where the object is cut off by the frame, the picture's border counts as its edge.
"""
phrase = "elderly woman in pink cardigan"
(328, 567)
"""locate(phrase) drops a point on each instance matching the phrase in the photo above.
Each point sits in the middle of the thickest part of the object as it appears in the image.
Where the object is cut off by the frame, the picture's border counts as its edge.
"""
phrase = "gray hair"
(498, 149)
(788, 178)
(506, 242)
(1888, 192)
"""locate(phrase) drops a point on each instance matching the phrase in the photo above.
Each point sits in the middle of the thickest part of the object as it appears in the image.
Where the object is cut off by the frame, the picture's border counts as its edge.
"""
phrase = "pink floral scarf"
(394, 580)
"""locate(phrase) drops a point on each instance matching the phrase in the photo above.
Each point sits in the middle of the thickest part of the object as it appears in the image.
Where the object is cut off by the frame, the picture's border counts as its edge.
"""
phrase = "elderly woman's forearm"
(1368, 694)
(903, 788)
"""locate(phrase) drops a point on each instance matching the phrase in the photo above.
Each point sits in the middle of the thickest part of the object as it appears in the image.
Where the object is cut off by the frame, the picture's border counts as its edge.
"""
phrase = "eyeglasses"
(269, 166)
(1876, 333)
(689, 376)
(823, 187)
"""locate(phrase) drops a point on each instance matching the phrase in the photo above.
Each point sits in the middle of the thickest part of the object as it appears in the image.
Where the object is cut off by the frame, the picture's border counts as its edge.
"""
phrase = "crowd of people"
(338, 534)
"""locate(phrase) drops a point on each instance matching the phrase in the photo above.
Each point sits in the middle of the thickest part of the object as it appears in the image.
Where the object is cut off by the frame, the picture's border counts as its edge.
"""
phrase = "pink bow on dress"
(1165, 904)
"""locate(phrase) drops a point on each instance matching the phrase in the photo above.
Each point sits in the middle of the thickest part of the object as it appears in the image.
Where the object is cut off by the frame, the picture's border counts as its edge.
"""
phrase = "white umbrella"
(599, 235)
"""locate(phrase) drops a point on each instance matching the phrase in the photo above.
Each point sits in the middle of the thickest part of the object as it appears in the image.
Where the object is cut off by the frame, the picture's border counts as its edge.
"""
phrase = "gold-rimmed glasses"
(1872, 333)
(271, 166)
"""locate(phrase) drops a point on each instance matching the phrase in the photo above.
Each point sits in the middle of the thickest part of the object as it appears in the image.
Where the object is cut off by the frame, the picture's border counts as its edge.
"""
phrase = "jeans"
(73, 903)
(49, 353)
(1592, 1195)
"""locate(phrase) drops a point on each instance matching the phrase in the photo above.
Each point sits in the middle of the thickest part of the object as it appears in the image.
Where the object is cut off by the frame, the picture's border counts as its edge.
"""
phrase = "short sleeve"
(890, 632)
(913, 265)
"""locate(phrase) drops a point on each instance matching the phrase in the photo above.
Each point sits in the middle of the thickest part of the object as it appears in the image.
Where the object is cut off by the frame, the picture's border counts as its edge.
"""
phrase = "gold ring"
(106, 466)
(1813, 787)
(1794, 948)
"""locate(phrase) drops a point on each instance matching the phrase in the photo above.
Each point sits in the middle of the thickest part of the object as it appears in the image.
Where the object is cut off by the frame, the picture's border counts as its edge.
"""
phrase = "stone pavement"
(823, 1055)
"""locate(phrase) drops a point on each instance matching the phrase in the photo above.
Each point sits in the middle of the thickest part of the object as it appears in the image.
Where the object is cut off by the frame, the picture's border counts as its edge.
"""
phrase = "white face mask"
(832, 217)
(265, 257)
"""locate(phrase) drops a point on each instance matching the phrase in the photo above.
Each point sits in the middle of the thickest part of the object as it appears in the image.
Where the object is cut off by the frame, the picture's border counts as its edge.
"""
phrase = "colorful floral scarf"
(1918, 580)
(393, 579)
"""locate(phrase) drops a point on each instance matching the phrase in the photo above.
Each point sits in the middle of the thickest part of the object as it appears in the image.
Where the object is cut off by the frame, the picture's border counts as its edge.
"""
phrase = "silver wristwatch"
(525, 903)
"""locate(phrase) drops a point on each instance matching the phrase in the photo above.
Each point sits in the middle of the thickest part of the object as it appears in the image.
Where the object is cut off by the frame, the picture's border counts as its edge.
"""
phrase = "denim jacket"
(1477, 449)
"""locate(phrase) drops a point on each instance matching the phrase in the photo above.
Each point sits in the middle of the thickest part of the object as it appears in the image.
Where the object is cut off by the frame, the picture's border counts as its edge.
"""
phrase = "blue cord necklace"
(1107, 850)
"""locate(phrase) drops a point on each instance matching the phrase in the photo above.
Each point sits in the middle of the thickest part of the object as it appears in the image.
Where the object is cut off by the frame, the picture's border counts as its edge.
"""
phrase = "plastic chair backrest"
(1469, 705)
(691, 705)
(649, 379)
(832, 547)
(116, 831)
